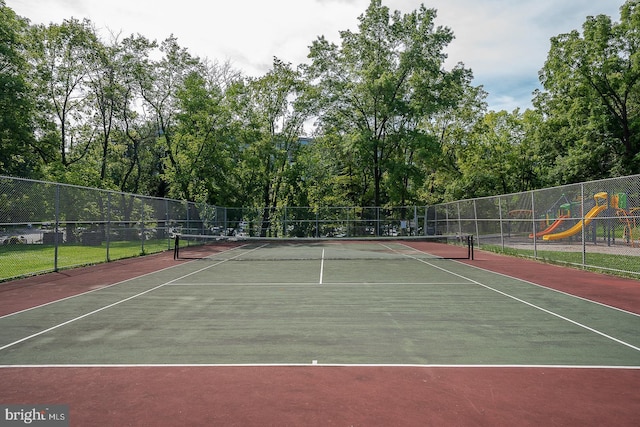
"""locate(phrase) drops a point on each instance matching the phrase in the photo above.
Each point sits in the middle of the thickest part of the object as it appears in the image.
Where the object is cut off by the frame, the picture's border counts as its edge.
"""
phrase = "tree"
(375, 91)
(206, 148)
(271, 127)
(591, 84)
(453, 128)
(64, 56)
(497, 157)
(137, 166)
(106, 92)
(158, 83)
(16, 99)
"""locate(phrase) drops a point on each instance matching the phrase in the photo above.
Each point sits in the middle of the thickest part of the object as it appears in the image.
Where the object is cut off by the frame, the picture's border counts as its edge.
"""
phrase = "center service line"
(321, 267)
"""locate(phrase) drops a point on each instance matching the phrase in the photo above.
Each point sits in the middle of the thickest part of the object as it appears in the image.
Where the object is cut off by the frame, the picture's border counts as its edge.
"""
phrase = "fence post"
(446, 218)
(475, 218)
(533, 225)
(501, 220)
(142, 225)
(56, 228)
(284, 221)
(459, 220)
(167, 223)
(424, 227)
(584, 247)
(108, 224)
(225, 222)
(188, 217)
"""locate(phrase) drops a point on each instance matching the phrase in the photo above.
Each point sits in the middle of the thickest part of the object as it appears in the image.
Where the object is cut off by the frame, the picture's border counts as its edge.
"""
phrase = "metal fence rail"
(47, 226)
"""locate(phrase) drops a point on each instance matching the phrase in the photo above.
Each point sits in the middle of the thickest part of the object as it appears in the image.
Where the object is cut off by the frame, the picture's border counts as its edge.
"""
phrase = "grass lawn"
(22, 260)
(625, 264)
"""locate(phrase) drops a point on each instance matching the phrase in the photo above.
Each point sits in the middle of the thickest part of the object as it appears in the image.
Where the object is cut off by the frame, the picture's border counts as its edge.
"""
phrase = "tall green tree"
(17, 154)
(207, 149)
(158, 83)
(591, 99)
(64, 56)
(136, 166)
(452, 128)
(497, 158)
(106, 92)
(272, 124)
(376, 88)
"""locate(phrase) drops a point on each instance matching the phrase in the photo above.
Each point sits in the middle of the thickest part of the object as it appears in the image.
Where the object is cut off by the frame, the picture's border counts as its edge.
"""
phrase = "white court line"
(321, 267)
(120, 301)
(325, 283)
(552, 313)
(318, 364)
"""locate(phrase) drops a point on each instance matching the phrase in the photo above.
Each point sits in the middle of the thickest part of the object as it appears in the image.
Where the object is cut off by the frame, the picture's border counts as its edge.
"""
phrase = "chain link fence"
(593, 224)
(289, 221)
(48, 226)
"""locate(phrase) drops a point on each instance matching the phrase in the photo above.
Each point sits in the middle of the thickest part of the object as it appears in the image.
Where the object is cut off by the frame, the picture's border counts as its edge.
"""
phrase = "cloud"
(500, 40)
(339, 1)
(506, 43)
(510, 91)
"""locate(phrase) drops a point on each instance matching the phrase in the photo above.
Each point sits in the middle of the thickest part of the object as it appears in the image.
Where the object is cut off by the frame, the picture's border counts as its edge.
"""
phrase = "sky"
(504, 42)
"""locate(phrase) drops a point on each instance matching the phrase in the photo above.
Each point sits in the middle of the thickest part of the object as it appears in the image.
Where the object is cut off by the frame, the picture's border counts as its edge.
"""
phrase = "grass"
(24, 260)
(619, 265)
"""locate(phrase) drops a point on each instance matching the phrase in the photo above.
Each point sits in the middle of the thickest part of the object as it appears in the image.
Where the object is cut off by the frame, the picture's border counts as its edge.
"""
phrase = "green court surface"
(364, 304)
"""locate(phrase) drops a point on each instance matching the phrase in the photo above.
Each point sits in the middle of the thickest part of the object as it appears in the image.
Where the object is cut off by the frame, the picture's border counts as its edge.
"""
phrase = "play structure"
(629, 218)
(555, 218)
(601, 204)
(551, 228)
(603, 201)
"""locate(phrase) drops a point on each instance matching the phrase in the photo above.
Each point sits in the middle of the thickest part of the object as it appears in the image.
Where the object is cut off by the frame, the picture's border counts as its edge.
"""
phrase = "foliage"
(497, 158)
(384, 122)
(64, 56)
(373, 93)
(591, 84)
(17, 156)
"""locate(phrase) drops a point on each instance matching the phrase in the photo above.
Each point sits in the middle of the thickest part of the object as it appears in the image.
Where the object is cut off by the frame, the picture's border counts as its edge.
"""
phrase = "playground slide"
(550, 228)
(594, 212)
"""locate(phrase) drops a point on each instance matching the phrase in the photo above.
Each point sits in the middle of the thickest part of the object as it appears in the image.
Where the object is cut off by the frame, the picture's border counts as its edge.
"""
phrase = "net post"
(470, 246)
(176, 245)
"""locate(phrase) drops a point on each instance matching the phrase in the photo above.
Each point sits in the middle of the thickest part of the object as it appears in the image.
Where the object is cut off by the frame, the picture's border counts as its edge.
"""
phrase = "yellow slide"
(594, 212)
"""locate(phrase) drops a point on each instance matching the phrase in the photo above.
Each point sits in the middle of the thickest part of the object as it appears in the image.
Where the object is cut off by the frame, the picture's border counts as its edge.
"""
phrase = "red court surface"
(325, 396)
(328, 395)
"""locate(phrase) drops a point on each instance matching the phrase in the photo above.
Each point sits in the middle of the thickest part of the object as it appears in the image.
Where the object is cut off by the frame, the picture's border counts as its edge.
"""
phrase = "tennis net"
(189, 246)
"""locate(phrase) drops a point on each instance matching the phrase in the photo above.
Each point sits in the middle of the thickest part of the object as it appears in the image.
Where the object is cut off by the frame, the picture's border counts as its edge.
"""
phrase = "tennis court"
(384, 304)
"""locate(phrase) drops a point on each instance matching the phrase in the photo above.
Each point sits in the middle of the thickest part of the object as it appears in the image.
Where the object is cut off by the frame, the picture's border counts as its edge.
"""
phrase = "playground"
(559, 226)
(609, 227)
(589, 225)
